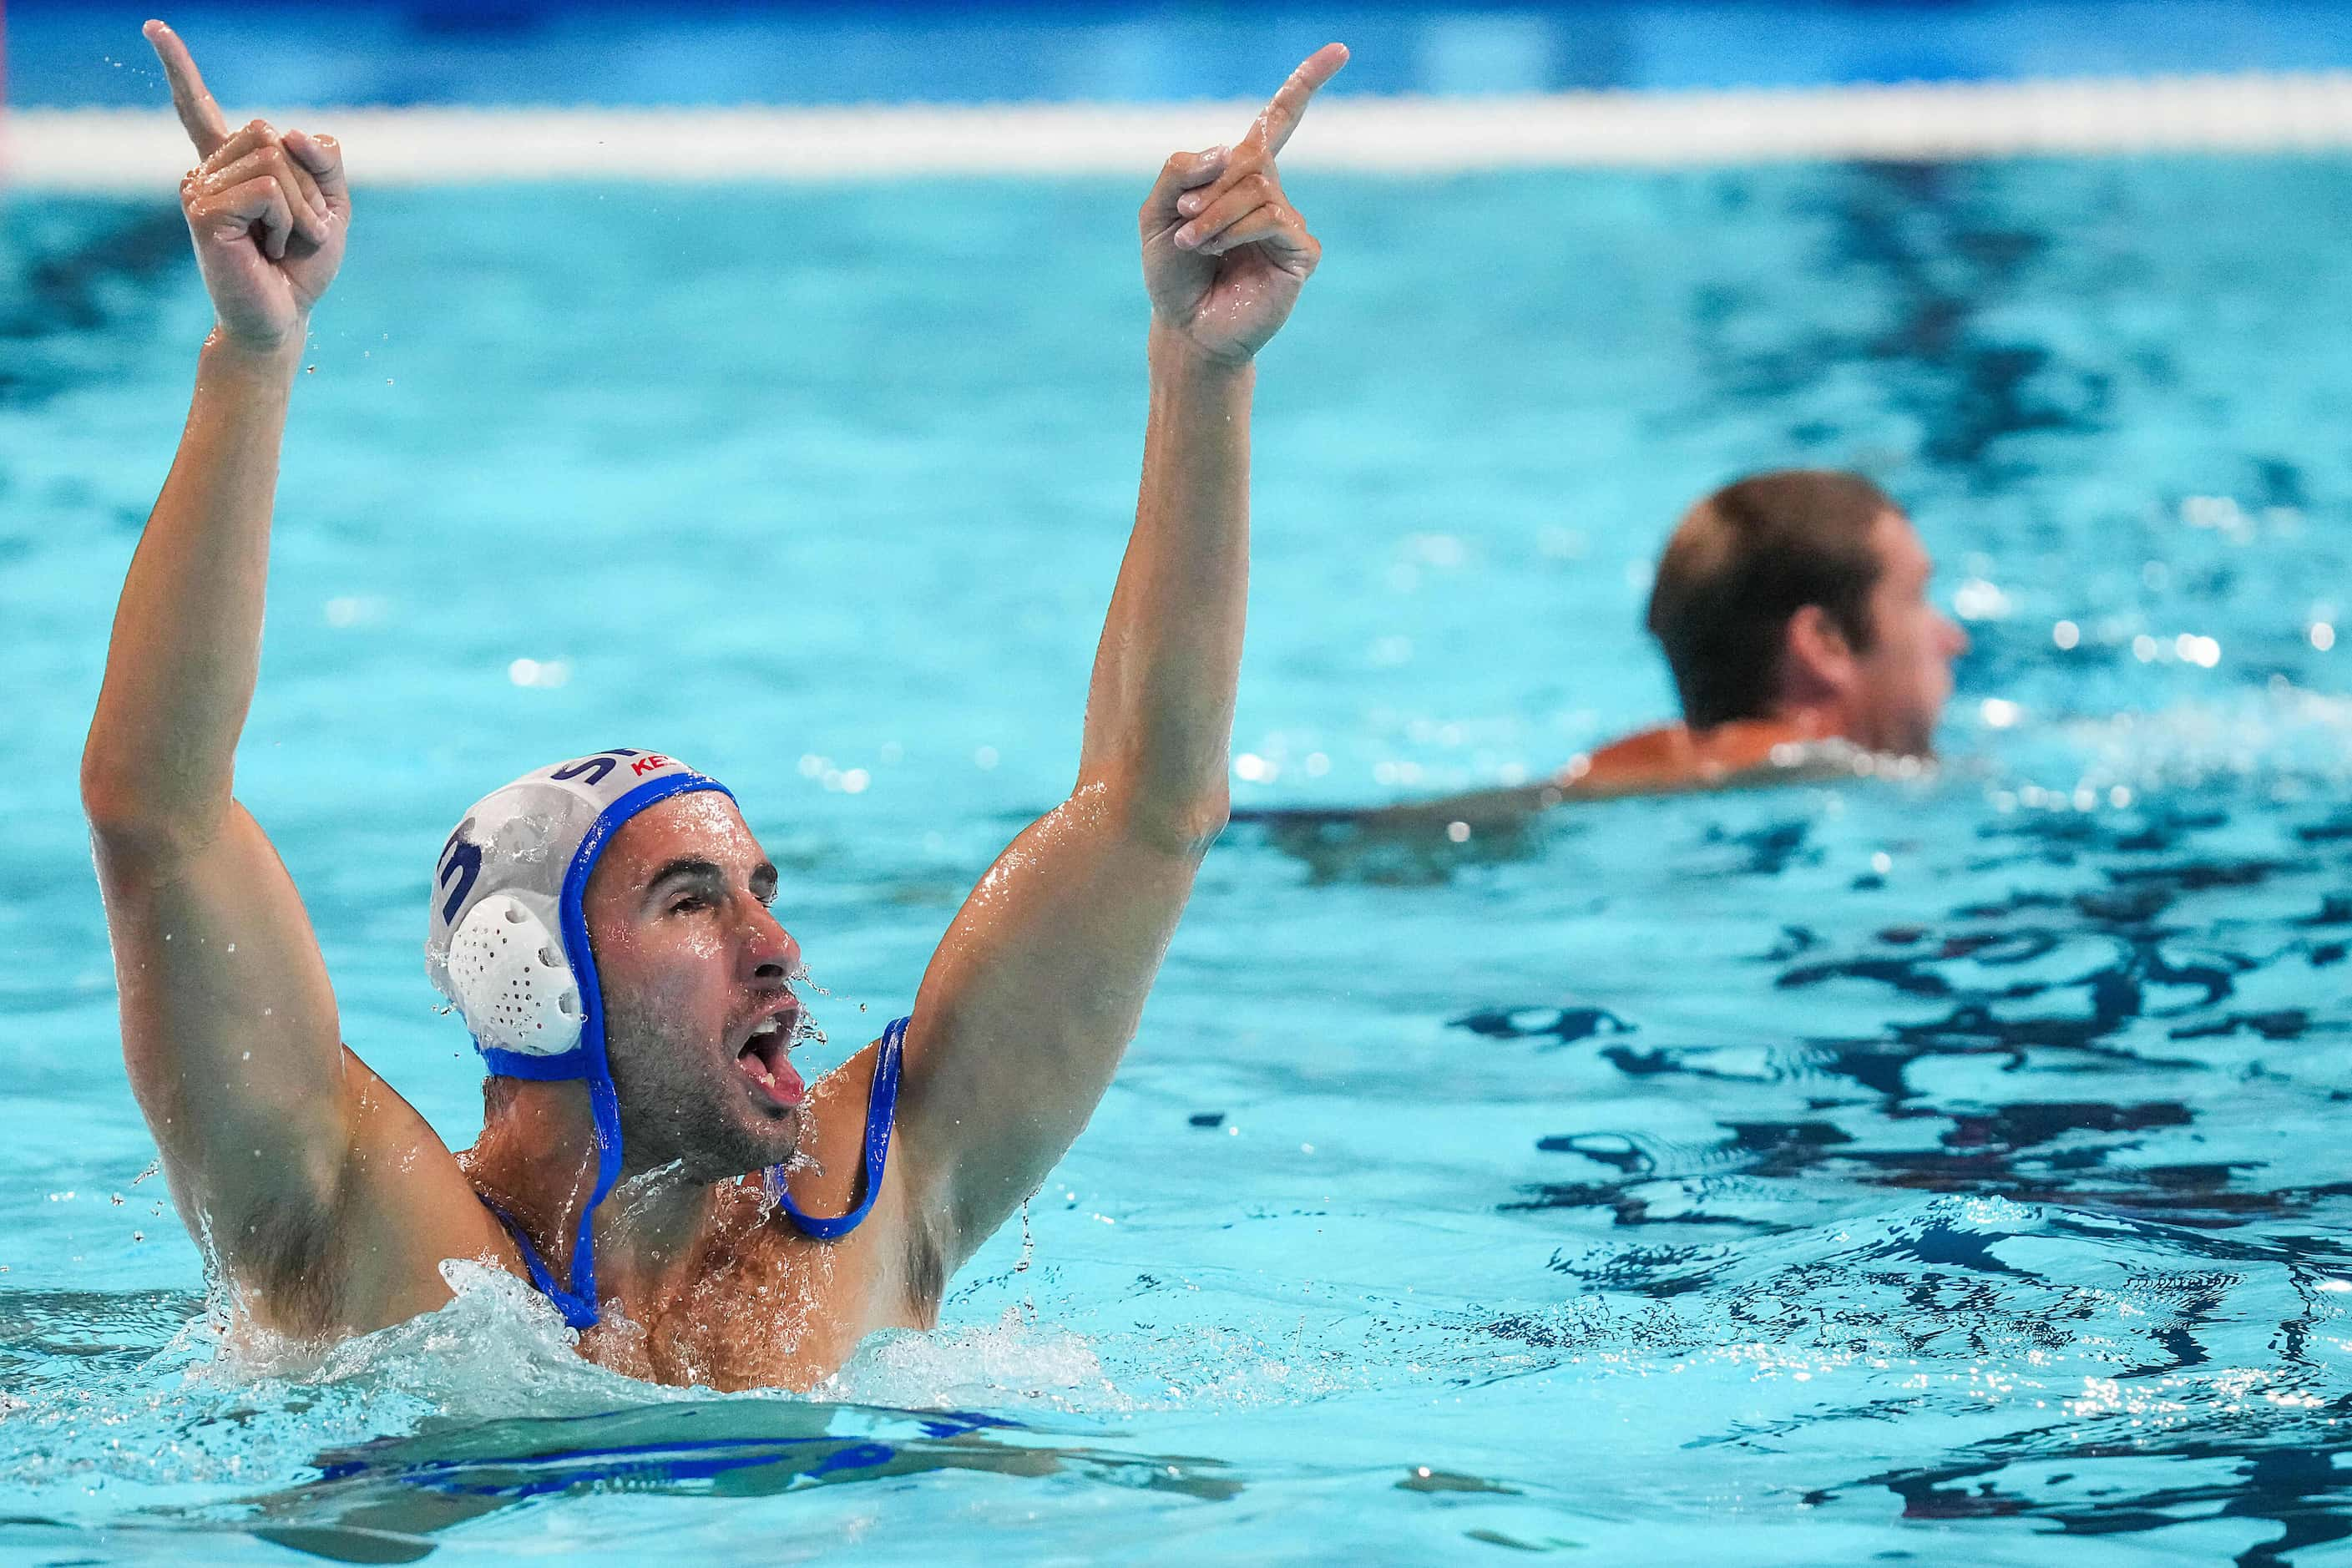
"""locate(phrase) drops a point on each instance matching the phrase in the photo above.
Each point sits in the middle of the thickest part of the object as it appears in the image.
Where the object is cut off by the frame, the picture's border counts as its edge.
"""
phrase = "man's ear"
(1816, 660)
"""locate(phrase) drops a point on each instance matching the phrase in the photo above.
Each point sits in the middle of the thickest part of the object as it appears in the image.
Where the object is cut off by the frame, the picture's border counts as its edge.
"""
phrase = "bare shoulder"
(904, 1261)
(1742, 754)
(827, 1176)
(1649, 761)
(403, 1208)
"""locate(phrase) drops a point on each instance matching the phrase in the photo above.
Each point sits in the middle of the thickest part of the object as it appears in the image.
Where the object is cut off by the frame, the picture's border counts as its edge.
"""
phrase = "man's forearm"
(187, 635)
(1159, 711)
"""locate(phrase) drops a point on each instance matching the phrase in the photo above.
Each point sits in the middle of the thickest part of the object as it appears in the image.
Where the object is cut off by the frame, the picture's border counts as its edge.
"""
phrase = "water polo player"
(1792, 610)
(604, 924)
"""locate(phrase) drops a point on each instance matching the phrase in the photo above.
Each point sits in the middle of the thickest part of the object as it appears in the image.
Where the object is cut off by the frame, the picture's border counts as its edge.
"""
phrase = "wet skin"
(328, 1204)
(695, 972)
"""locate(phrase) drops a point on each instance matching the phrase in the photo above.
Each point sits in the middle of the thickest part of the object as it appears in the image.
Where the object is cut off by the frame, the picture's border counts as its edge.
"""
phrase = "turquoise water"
(1936, 1167)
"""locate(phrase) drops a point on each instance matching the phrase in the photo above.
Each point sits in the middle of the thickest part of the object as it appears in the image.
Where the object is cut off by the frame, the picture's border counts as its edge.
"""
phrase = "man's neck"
(650, 1229)
(1799, 721)
(651, 1232)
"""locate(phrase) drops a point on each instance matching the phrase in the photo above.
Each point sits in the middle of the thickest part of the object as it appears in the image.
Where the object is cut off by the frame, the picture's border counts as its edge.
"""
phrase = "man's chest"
(766, 1310)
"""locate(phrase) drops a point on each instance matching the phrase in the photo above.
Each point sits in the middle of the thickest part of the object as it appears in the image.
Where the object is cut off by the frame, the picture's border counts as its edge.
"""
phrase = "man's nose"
(769, 950)
(1956, 637)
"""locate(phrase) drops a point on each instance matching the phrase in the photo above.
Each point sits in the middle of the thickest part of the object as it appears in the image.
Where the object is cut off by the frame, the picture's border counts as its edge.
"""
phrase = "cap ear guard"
(508, 977)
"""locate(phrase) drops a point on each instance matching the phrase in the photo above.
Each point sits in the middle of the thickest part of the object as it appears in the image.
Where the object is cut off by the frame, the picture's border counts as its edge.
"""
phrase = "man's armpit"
(283, 1266)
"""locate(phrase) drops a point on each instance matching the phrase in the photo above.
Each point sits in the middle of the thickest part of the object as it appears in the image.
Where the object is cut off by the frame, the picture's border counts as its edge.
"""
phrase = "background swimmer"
(328, 1203)
(1792, 609)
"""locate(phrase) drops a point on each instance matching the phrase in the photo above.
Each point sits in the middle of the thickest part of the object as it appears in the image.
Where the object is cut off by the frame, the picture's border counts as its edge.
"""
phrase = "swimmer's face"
(1902, 682)
(695, 972)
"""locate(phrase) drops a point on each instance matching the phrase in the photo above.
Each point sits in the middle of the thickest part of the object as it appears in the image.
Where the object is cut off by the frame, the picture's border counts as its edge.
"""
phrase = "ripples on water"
(1934, 1167)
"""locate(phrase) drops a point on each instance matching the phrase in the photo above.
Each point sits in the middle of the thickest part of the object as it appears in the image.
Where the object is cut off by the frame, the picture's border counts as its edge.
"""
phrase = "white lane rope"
(141, 151)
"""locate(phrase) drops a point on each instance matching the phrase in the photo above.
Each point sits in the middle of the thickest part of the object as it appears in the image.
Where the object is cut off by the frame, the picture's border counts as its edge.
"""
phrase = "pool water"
(1908, 1167)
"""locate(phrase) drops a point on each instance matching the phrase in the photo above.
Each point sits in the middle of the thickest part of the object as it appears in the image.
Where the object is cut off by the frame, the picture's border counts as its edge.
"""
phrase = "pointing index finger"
(1288, 105)
(199, 115)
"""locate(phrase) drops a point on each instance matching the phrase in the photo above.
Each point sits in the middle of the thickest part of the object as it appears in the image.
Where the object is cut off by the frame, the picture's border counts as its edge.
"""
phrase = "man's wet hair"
(1744, 561)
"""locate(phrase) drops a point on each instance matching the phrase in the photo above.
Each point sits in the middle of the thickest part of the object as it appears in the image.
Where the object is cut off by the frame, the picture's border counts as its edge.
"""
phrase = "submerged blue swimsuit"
(881, 1109)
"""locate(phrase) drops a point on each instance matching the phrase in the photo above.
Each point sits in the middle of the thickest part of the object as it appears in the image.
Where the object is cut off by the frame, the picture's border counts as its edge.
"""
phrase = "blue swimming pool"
(1944, 1168)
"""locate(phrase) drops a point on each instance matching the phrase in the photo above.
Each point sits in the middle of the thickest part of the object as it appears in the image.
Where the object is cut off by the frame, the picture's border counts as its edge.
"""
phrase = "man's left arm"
(1032, 999)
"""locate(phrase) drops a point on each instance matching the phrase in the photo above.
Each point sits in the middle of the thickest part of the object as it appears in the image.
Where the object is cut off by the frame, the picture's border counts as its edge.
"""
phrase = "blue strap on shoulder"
(541, 1276)
(881, 1109)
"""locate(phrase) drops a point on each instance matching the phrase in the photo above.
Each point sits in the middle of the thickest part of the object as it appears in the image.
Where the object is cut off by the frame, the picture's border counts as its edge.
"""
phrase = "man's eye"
(689, 904)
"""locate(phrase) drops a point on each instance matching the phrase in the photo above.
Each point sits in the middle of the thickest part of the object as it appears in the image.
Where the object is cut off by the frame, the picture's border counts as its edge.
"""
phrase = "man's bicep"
(1027, 1009)
(229, 1022)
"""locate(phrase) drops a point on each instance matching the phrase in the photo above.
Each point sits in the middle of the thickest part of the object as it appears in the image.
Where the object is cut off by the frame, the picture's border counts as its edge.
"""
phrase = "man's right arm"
(228, 1023)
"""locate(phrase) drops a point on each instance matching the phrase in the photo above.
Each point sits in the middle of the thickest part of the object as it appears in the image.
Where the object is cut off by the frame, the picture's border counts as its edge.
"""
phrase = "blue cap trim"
(572, 1063)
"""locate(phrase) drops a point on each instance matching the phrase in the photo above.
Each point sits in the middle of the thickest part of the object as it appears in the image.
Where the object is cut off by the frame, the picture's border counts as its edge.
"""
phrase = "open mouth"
(762, 1057)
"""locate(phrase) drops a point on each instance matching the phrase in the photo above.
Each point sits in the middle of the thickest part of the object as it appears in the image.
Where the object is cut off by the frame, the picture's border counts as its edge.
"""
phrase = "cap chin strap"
(577, 1304)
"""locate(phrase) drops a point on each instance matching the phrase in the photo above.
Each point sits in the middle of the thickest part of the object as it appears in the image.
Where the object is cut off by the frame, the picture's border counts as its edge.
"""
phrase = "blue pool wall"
(65, 53)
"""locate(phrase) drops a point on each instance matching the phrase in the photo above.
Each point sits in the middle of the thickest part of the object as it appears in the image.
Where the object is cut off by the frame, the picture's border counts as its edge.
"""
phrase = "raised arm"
(229, 1026)
(1033, 998)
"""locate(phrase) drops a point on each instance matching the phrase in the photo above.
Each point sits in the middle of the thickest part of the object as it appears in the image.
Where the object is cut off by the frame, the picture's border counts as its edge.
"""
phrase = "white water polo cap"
(507, 942)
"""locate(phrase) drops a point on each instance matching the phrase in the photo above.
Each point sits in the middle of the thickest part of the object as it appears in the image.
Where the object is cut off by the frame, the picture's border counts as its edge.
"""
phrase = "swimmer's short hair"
(1744, 560)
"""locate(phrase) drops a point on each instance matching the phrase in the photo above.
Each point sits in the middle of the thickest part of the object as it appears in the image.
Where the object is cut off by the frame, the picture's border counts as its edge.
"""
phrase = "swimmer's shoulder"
(1664, 759)
(1673, 759)
(827, 1175)
(903, 1260)
(403, 1207)
(1647, 761)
